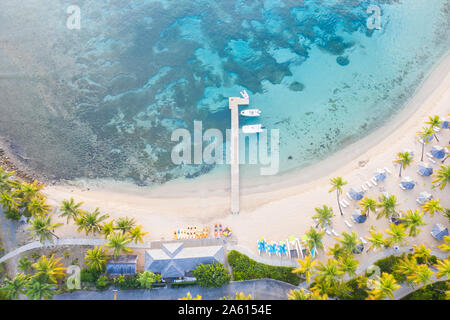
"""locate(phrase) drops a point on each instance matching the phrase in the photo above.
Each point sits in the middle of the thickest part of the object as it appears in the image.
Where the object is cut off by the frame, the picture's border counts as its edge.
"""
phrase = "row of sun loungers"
(290, 248)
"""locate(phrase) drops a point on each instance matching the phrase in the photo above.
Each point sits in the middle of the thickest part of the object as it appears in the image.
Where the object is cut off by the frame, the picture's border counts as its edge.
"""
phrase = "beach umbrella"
(438, 152)
(445, 124)
(380, 175)
(262, 245)
(424, 197)
(439, 231)
(358, 217)
(408, 183)
(356, 193)
(272, 247)
(282, 248)
(396, 219)
(425, 169)
(359, 249)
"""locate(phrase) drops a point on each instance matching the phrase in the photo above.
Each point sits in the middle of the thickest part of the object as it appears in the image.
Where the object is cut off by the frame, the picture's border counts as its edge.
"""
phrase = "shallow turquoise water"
(144, 68)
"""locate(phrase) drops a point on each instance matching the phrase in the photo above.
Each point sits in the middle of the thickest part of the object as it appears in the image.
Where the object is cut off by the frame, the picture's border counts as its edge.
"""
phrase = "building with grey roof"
(122, 265)
(175, 261)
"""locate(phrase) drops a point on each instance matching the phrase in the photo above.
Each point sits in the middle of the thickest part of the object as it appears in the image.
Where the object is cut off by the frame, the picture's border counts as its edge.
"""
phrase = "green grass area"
(435, 291)
(245, 268)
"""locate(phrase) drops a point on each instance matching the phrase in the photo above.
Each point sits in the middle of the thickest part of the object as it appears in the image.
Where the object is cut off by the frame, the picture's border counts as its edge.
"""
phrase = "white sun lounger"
(343, 204)
(387, 170)
(374, 181)
(348, 223)
(429, 155)
(346, 202)
(431, 159)
(327, 231)
(402, 187)
(363, 187)
(348, 195)
(335, 233)
(369, 184)
(363, 240)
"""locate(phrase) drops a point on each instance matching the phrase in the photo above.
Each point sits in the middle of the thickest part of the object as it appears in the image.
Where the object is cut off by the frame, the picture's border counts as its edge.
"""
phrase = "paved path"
(261, 289)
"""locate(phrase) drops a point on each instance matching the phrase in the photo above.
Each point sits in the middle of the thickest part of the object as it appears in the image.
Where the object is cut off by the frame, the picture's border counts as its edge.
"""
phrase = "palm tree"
(118, 242)
(384, 287)
(306, 268)
(397, 234)
(238, 296)
(15, 286)
(387, 205)
(108, 228)
(189, 297)
(136, 234)
(447, 214)
(10, 204)
(434, 122)
(36, 290)
(70, 209)
(336, 251)
(96, 258)
(329, 273)
(367, 204)
(404, 159)
(301, 294)
(422, 275)
(37, 206)
(43, 227)
(90, 221)
(125, 224)
(422, 253)
(146, 279)
(376, 239)
(426, 135)
(49, 269)
(25, 264)
(349, 264)
(349, 242)
(337, 184)
(26, 193)
(313, 239)
(432, 206)
(406, 267)
(443, 267)
(5, 182)
(446, 245)
(323, 216)
(413, 221)
(442, 177)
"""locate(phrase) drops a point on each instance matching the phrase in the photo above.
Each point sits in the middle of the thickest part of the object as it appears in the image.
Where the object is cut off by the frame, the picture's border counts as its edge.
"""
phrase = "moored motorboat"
(255, 128)
(251, 113)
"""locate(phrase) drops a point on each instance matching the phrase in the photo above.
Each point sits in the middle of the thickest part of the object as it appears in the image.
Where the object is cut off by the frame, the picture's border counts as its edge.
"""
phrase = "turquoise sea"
(102, 101)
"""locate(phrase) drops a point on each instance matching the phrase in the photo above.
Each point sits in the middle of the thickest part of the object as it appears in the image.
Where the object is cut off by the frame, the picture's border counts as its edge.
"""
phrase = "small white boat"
(251, 113)
(255, 128)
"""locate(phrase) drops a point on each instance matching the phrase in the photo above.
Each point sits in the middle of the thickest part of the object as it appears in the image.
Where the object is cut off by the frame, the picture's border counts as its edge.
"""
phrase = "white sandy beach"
(278, 207)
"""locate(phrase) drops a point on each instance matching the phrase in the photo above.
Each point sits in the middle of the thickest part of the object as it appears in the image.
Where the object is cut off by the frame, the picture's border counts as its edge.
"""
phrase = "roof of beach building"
(173, 259)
